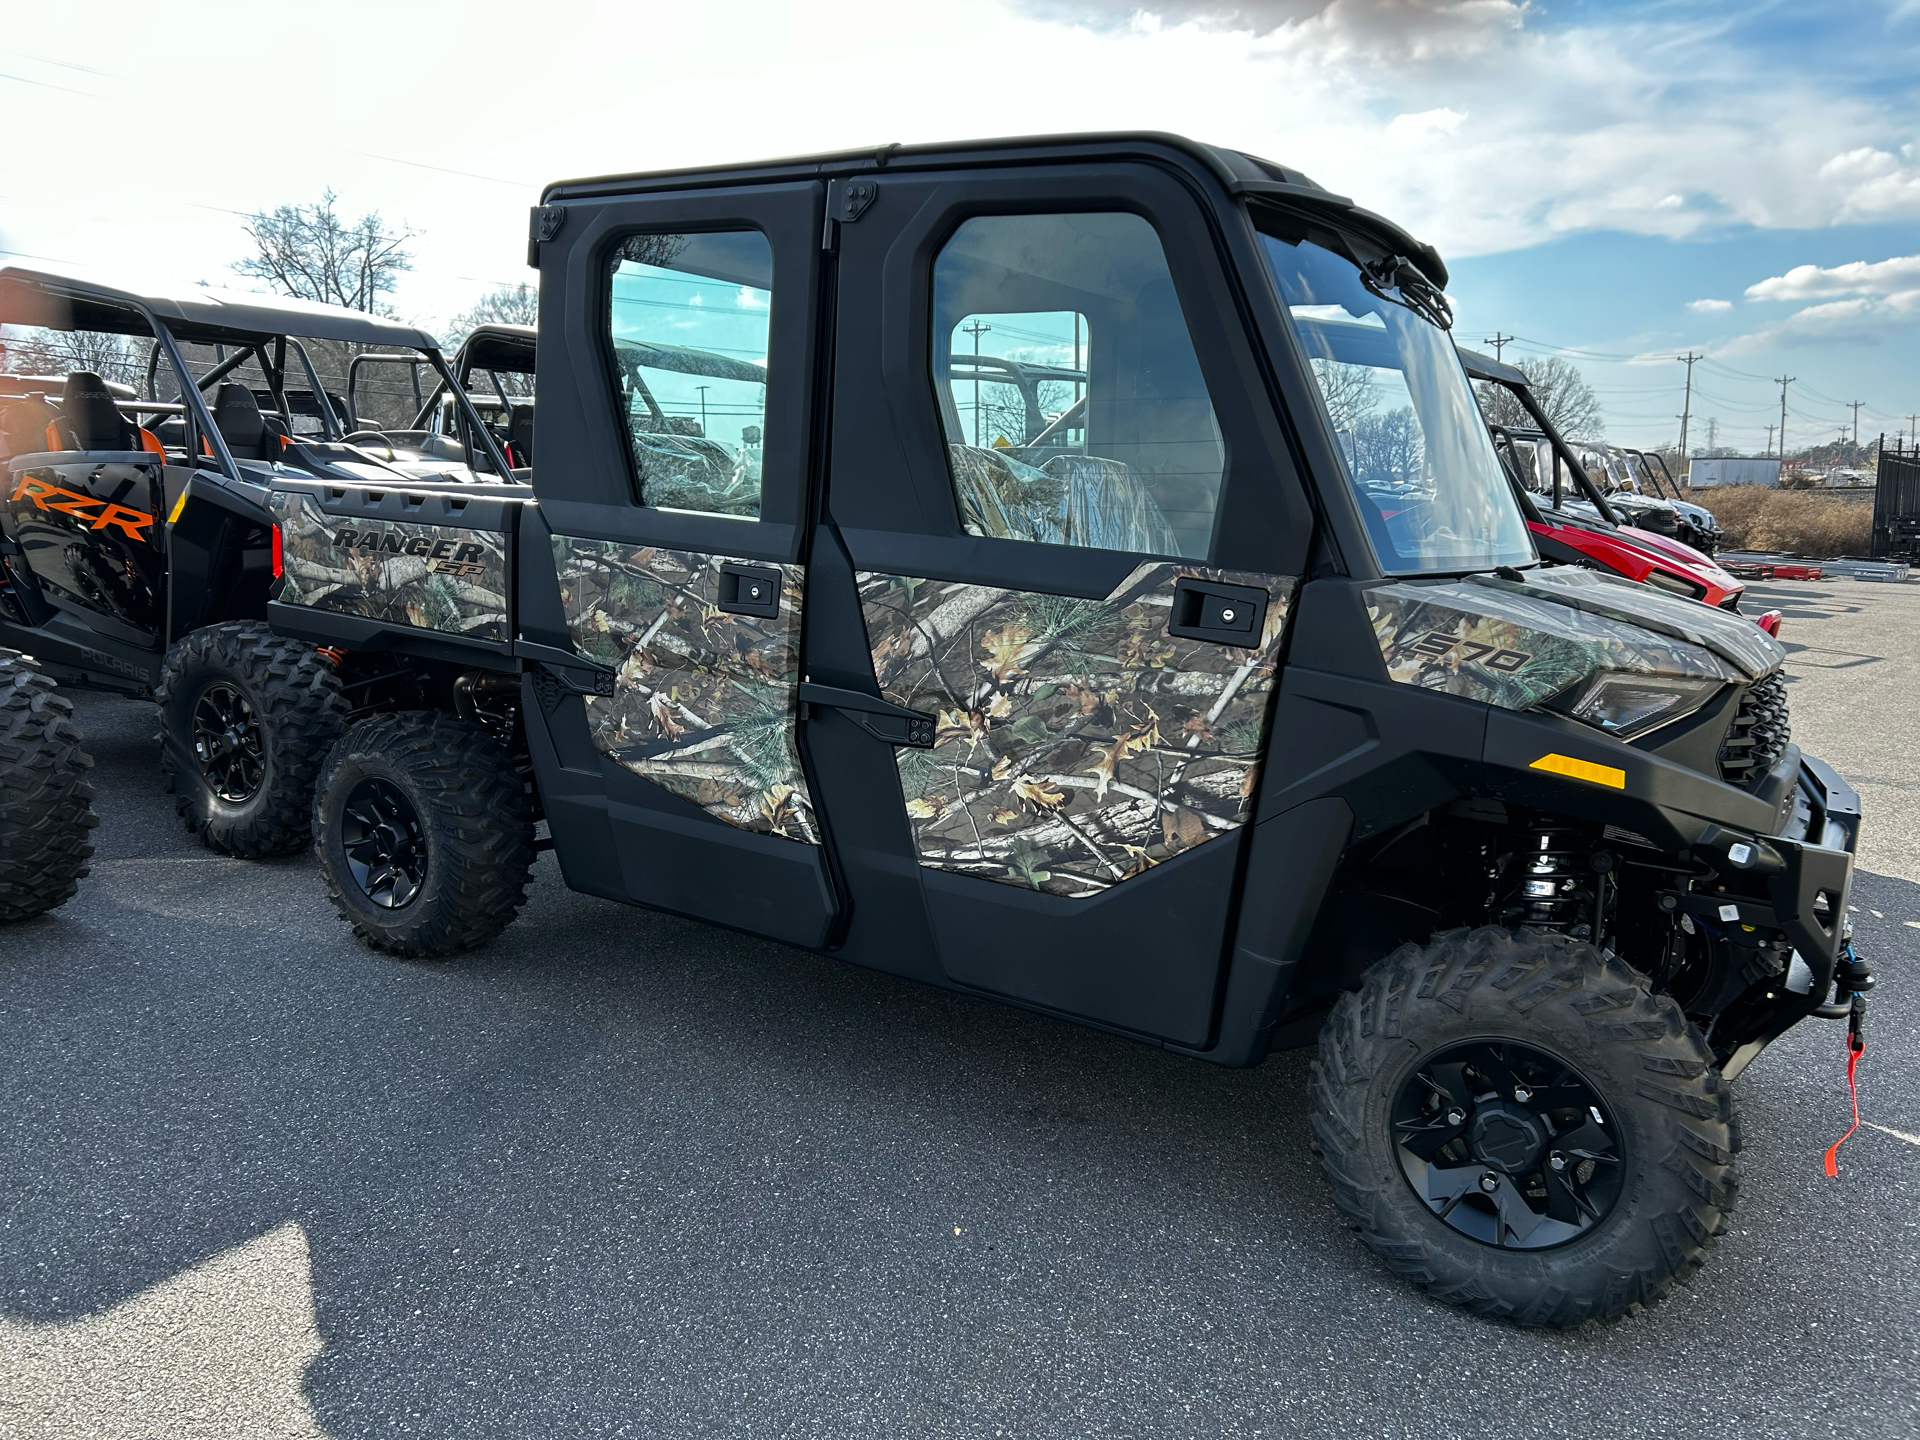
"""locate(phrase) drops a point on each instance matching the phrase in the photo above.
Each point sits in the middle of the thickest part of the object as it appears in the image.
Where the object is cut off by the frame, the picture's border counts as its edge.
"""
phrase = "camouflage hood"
(1515, 643)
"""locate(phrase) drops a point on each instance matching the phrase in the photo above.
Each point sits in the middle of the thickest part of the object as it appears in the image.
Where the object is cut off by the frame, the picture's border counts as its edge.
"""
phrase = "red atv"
(1599, 538)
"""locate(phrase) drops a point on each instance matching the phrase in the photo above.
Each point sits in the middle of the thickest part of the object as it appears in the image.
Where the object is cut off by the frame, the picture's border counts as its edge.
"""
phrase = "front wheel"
(46, 804)
(1518, 1125)
(425, 834)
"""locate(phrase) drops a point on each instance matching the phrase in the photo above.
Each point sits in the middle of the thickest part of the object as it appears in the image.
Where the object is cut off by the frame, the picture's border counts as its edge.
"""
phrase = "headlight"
(1626, 705)
(1674, 585)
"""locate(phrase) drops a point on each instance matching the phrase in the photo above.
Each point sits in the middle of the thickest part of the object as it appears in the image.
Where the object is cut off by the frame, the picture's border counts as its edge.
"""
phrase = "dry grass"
(1799, 522)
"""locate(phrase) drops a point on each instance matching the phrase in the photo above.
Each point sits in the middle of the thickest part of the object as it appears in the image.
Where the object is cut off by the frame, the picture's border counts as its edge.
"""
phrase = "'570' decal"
(1438, 645)
(103, 514)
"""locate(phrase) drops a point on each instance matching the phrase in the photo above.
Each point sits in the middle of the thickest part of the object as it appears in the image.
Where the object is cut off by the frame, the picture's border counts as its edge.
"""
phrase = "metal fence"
(1896, 506)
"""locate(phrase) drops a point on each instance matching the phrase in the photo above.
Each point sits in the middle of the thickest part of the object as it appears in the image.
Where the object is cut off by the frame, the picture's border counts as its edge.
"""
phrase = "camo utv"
(1216, 698)
(136, 548)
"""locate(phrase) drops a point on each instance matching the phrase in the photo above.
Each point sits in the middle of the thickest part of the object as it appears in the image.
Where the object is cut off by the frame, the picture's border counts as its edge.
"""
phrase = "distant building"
(1734, 470)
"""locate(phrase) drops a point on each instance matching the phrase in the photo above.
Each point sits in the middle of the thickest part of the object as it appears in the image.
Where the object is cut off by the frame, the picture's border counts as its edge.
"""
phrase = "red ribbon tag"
(1856, 1047)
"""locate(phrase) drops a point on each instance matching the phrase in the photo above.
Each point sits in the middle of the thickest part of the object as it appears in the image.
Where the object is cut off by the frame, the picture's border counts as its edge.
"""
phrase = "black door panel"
(87, 528)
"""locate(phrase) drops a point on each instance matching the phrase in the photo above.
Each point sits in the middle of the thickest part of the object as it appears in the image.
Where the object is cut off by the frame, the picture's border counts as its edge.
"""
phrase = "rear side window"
(1070, 394)
(687, 327)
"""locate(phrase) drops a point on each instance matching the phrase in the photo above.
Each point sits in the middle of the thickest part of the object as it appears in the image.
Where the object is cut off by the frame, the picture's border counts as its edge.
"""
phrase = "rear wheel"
(425, 834)
(1518, 1125)
(246, 719)
(46, 804)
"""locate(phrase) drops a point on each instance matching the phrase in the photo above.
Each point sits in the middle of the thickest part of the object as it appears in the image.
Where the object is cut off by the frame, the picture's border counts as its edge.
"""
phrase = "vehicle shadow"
(621, 1173)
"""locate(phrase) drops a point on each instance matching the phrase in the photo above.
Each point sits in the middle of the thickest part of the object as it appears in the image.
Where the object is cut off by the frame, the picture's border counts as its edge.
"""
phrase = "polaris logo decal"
(103, 514)
(1438, 644)
(443, 557)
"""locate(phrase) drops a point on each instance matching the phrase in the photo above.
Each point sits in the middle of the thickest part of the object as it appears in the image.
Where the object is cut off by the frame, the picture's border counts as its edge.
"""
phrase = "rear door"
(676, 375)
(1060, 522)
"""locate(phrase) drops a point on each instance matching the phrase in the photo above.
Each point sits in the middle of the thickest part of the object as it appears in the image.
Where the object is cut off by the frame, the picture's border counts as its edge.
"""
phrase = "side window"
(687, 326)
(1070, 394)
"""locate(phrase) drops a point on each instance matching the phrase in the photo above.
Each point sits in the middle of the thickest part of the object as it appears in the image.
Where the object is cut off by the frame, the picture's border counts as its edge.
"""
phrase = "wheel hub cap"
(1508, 1143)
(228, 744)
(384, 842)
(1505, 1136)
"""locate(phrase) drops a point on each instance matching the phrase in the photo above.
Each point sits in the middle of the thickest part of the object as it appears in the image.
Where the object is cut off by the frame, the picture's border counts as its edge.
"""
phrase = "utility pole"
(703, 407)
(1769, 439)
(1855, 406)
(1913, 433)
(977, 329)
(1499, 342)
(1783, 382)
(1686, 410)
(1713, 432)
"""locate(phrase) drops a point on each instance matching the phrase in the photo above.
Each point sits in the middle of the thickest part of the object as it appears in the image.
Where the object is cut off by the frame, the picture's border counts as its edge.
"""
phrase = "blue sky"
(1592, 170)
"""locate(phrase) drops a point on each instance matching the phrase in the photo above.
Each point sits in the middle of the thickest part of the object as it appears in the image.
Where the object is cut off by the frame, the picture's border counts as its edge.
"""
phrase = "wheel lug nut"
(1557, 1161)
(1456, 1117)
(1489, 1182)
(1522, 1094)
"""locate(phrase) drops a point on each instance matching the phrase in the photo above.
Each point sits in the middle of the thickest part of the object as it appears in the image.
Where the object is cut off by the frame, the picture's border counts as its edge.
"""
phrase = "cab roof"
(70, 302)
(1243, 175)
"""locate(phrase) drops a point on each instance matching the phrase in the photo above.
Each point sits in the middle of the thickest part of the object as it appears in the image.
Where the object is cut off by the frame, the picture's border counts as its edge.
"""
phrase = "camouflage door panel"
(1079, 743)
(436, 577)
(704, 701)
(1514, 645)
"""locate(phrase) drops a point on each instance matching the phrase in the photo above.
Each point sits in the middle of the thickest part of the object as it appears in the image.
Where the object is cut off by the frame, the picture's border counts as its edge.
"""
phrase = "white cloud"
(1466, 120)
(1710, 307)
(1856, 277)
(1861, 320)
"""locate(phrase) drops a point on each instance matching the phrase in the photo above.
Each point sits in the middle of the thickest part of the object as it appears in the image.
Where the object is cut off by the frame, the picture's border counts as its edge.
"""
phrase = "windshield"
(1416, 449)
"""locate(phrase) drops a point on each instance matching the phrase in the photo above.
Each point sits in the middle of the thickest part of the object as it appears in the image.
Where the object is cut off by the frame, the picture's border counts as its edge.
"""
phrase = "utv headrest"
(237, 413)
(90, 418)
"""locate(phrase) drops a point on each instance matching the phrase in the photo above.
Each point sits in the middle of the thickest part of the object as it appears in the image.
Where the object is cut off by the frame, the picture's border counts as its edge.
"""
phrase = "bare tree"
(1559, 389)
(503, 305)
(121, 358)
(311, 252)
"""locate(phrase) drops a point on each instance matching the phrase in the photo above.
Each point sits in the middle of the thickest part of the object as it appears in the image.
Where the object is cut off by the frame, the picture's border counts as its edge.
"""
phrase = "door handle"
(882, 719)
(1221, 613)
(749, 590)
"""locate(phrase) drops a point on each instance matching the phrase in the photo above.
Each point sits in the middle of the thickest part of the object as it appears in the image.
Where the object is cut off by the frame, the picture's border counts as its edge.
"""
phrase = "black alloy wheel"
(1507, 1144)
(385, 843)
(227, 743)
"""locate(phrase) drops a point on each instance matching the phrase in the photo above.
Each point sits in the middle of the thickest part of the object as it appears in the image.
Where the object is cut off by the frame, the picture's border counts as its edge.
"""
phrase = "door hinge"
(847, 201)
(543, 223)
(882, 719)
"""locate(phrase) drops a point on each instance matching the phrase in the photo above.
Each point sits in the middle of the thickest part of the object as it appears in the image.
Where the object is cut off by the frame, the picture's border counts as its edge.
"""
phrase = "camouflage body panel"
(436, 577)
(1508, 644)
(1079, 743)
(1727, 634)
(704, 701)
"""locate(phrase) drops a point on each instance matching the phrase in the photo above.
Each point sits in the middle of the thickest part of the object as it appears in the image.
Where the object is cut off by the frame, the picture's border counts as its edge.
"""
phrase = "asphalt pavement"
(623, 1175)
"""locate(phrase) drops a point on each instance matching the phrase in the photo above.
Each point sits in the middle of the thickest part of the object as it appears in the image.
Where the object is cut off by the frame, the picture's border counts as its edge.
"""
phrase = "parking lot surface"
(621, 1174)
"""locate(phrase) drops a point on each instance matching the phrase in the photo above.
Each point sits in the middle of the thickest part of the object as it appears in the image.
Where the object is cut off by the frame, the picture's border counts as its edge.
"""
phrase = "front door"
(1060, 522)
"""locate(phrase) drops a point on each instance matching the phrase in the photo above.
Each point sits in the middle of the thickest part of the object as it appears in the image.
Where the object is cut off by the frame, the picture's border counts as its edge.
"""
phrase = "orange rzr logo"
(102, 513)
